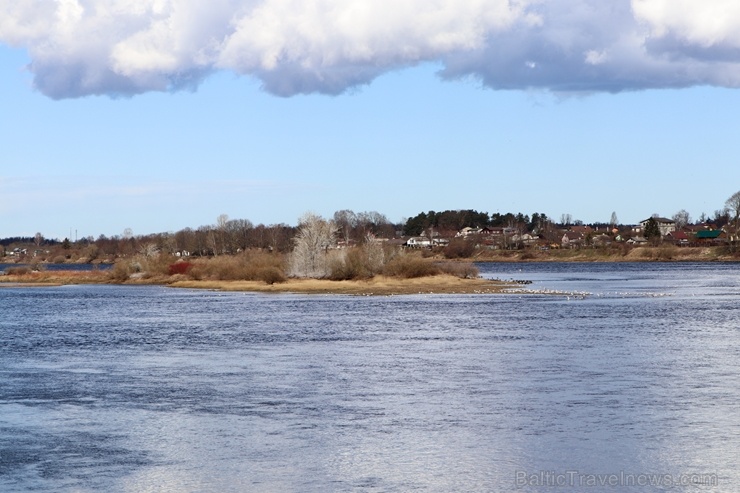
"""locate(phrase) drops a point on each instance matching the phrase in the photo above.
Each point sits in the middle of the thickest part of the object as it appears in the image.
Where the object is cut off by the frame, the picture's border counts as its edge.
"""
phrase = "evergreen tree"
(651, 229)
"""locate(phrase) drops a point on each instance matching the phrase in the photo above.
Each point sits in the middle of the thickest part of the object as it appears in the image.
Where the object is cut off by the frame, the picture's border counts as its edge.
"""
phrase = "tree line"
(229, 236)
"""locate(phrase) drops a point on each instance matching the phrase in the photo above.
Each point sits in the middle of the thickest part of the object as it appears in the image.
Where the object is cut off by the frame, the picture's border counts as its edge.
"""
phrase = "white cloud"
(81, 47)
(706, 23)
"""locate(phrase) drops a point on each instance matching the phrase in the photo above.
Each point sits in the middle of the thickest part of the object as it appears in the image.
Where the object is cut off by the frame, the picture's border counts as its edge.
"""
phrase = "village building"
(665, 225)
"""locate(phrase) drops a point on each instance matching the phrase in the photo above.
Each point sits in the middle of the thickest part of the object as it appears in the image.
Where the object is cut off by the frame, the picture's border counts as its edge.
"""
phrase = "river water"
(603, 377)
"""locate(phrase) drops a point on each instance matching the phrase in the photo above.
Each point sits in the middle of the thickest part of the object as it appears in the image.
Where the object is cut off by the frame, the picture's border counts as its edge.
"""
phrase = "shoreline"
(380, 285)
(377, 286)
(666, 253)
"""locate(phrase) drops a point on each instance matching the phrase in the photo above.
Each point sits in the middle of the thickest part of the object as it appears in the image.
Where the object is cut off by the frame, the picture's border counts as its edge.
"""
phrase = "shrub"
(120, 271)
(271, 275)
(666, 253)
(179, 268)
(18, 271)
(459, 248)
(248, 266)
(408, 266)
(158, 264)
(428, 252)
(463, 270)
(350, 264)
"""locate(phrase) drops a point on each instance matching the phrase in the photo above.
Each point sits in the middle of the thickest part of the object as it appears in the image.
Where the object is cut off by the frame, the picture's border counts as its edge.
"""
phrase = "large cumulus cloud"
(82, 47)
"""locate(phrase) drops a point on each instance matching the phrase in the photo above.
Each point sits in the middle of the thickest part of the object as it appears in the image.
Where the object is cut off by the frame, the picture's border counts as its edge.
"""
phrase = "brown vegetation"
(55, 278)
(377, 286)
(411, 266)
(251, 266)
(459, 248)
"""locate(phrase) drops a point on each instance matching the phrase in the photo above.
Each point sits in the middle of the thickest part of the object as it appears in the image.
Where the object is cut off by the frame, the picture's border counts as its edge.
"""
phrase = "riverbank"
(55, 278)
(667, 253)
(377, 286)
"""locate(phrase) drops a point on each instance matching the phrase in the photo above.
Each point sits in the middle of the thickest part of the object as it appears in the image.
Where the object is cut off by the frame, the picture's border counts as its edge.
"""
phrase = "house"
(418, 242)
(637, 240)
(710, 237)
(581, 229)
(571, 239)
(492, 231)
(664, 225)
(523, 239)
(602, 240)
(679, 238)
(467, 231)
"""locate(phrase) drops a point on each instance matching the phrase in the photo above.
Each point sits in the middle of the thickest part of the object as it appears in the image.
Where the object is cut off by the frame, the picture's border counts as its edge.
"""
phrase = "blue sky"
(270, 142)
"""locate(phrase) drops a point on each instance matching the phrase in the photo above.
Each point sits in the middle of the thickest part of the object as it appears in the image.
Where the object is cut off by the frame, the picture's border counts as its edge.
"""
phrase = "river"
(594, 377)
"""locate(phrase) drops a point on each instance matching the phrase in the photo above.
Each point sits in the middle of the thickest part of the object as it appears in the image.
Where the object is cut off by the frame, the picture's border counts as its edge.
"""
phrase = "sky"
(157, 115)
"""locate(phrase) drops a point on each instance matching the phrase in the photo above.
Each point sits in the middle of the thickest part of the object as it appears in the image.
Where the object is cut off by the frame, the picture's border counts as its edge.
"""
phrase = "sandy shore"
(378, 286)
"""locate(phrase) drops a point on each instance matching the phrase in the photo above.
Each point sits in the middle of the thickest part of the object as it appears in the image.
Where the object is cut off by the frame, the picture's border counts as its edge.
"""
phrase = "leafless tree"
(721, 217)
(315, 236)
(566, 219)
(733, 208)
(279, 236)
(346, 221)
(185, 240)
(681, 218)
(218, 234)
(237, 234)
(375, 254)
(149, 250)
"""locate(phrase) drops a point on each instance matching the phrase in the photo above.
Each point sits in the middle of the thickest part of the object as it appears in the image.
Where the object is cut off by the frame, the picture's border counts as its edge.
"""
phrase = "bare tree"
(218, 234)
(315, 236)
(237, 234)
(279, 236)
(203, 240)
(149, 250)
(566, 219)
(185, 241)
(733, 208)
(374, 252)
(681, 218)
(721, 217)
(614, 222)
(346, 221)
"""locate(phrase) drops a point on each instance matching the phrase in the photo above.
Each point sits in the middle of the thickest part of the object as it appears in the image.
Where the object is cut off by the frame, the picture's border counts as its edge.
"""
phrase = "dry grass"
(56, 278)
(379, 285)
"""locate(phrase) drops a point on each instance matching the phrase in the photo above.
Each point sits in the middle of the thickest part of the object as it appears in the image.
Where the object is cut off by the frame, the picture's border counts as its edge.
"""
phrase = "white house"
(664, 225)
(418, 242)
